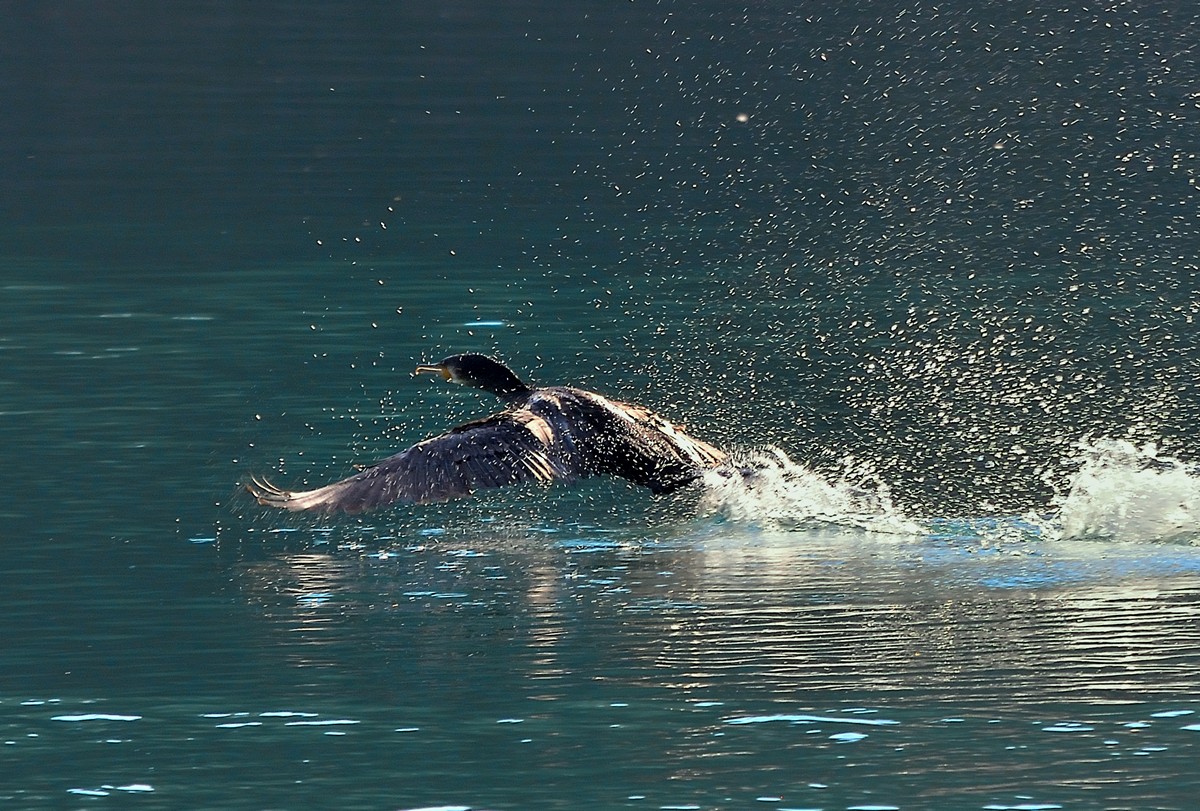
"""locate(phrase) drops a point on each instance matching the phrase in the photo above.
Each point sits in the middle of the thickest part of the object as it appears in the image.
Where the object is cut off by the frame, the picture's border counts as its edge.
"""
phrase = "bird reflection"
(547, 630)
(302, 596)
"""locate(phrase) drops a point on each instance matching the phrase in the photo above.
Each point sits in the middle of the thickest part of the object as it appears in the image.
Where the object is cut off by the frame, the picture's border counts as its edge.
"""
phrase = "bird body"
(555, 433)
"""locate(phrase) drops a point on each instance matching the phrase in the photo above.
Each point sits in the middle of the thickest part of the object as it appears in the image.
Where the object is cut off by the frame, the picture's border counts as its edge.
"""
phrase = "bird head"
(477, 371)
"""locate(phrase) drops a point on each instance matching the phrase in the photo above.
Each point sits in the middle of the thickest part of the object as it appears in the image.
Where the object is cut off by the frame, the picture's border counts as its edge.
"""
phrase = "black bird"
(555, 433)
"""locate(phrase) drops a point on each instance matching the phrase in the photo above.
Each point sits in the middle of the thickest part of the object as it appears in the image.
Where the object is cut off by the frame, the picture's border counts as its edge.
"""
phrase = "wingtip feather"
(270, 495)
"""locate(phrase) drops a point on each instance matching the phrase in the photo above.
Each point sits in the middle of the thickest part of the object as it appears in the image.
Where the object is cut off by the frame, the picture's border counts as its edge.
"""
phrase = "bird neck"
(491, 375)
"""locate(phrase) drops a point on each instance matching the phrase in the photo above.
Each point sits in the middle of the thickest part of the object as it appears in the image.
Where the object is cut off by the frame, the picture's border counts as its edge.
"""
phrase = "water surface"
(932, 271)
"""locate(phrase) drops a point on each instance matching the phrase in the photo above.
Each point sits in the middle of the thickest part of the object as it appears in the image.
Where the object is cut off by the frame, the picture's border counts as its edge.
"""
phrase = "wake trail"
(1115, 491)
(767, 486)
(1126, 492)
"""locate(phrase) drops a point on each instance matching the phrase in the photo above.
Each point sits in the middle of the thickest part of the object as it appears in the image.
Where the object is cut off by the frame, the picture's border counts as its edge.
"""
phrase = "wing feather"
(508, 448)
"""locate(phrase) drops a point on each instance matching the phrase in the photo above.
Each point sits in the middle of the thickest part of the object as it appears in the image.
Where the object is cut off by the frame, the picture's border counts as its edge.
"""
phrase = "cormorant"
(555, 433)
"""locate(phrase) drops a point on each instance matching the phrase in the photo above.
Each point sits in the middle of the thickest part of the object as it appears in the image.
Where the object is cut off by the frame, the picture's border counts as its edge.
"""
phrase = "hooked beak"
(436, 369)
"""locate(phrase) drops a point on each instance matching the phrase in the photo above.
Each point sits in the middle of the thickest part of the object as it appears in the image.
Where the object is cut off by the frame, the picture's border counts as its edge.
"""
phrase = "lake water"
(930, 271)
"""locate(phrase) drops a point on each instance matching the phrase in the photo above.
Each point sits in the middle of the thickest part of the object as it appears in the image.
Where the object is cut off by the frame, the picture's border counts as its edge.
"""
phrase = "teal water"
(931, 272)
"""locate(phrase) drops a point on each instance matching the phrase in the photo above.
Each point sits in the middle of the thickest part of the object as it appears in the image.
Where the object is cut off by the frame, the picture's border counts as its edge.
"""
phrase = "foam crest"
(1129, 493)
(767, 486)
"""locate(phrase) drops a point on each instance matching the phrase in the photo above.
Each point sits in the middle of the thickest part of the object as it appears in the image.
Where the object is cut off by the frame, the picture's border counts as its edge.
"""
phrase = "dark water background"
(943, 258)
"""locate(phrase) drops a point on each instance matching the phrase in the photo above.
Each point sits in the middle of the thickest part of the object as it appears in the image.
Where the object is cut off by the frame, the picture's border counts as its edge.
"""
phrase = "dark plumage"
(556, 433)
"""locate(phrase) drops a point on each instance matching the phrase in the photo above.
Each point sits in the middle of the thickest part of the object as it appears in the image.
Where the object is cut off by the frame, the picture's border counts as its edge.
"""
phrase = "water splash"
(1117, 491)
(1130, 493)
(766, 486)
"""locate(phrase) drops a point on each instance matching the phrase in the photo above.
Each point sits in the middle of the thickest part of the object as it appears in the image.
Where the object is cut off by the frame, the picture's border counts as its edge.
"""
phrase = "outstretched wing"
(508, 448)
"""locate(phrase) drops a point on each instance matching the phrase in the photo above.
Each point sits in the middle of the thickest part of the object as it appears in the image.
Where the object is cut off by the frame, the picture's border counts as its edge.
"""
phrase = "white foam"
(809, 719)
(1129, 493)
(767, 486)
(95, 716)
(1118, 491)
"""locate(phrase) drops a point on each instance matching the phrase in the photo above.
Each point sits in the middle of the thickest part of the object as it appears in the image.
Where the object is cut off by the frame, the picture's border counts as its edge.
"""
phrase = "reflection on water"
(834, 668)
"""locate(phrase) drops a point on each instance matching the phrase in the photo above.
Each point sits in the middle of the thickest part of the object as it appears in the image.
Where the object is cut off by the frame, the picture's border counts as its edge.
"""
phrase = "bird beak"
(434, 369)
